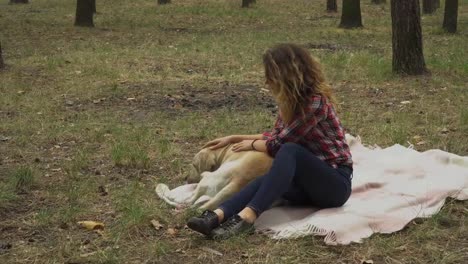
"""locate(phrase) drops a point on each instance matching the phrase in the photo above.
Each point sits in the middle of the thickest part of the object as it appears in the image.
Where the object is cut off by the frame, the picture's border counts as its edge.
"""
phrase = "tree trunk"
(94, 6)
(437, 4)
(19, 1)
(163, 2)
(351, 14)
(378, 2)
(84, 13)
(429, 6)
(247, 3)
(2, 64)
(332, 6)
(451, 16)
(407, 43)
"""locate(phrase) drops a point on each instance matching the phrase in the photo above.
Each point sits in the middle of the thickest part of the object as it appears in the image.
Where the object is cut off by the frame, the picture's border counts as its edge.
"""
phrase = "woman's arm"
(239, 138)
(224, 141)
(248, 144)
(260, 145)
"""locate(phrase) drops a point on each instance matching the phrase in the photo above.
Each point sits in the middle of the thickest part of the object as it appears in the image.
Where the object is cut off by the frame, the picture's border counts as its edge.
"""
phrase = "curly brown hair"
(292, 75)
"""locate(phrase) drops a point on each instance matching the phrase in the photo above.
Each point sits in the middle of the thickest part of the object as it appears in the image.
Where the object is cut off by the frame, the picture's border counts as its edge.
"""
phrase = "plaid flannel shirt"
(320, 131)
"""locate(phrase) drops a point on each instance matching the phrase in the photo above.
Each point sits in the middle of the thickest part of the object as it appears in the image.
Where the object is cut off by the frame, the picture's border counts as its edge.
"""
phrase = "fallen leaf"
(85, 255)
(444, 130)
(171, 231)
(3, 138)
(405, 102)
(212, 251)
(178, 106)
(20, 92)
(369, 261)
(401, 247)
(421, 143)
(131, 98)
(91, 225)
(156, 224)
(179, 250)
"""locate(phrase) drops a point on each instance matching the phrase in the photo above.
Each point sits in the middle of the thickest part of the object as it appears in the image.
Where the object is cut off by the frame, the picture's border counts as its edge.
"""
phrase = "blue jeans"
(298, 176)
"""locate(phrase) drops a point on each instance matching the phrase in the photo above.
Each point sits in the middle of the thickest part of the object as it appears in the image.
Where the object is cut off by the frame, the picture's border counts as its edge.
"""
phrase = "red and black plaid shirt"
(320, 132)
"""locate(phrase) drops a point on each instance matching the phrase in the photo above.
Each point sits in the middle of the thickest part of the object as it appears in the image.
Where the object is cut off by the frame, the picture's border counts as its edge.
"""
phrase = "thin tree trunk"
(351, 14)
(451, 16)
(332, 6)
(84, 13)
(19, 1)
(429, 6)
(2, 64)
(407, 42)
(163, 2)
(247, 3)
(378, 2)
(94, 6)
(437, 4)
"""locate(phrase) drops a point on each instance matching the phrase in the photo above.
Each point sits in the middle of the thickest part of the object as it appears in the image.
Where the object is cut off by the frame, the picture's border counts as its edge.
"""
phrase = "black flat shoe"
(204, 223)
(232, 227)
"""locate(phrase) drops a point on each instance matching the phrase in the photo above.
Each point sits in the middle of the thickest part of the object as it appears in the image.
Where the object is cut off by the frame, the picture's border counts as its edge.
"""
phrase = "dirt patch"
(331, 47)
(145, 98)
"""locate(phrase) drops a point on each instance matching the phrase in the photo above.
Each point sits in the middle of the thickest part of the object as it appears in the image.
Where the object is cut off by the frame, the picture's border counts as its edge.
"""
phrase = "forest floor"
(92, 118)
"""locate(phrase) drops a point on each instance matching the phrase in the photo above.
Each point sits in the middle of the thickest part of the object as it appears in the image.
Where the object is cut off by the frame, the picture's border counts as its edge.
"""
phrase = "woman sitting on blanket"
(312, 162)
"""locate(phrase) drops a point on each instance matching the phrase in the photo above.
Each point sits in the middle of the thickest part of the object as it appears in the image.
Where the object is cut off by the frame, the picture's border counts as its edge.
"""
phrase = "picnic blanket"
(391, 187)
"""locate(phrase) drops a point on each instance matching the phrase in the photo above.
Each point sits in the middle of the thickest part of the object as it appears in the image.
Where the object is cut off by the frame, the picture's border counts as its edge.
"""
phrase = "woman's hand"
(242, 146)
(219, 143)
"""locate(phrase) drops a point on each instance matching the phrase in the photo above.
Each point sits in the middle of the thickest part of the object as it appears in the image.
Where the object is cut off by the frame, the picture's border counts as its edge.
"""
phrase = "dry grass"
(94, 117)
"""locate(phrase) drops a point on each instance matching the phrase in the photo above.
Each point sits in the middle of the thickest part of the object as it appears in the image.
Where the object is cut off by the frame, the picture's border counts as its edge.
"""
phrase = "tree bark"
(378, 2)
(429, 6)
(247, 3)
(351, 14)
(332, 6)
(19, 1)
(407, 42)
(450, 16)
(2, 64)
(163, 2)
(84, 13)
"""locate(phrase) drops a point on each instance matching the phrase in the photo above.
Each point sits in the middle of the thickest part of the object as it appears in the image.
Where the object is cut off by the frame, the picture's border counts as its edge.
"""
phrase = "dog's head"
(205, 160)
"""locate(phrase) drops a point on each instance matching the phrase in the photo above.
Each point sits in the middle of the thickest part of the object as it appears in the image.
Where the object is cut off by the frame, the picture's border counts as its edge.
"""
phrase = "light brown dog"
(223, 172)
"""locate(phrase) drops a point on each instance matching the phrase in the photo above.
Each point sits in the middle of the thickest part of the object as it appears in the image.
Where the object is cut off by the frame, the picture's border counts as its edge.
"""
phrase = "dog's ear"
(193, 175)
(205, 160)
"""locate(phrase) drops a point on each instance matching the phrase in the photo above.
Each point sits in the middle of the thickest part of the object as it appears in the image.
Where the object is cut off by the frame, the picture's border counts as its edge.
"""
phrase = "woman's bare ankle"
(220, 215)
(248, 215)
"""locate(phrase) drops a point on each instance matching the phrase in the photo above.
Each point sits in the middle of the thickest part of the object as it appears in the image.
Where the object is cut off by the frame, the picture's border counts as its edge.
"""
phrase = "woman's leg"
(314, 182)
(278, 180)
(292, 167)
(210, 220)
(238, 201)
(322, 184)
